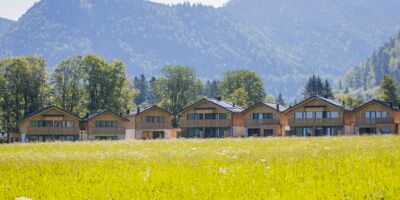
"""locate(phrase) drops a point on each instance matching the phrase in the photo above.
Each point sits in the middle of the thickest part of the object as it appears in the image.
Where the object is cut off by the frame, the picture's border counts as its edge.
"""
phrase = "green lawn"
(281, 168)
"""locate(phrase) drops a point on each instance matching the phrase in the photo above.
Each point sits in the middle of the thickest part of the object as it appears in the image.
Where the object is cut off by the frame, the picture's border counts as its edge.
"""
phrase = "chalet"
(104, 125)
(154, 123)
(377, 117)
(318, 116)
(212, 118)
(50, 124)
(265, 119)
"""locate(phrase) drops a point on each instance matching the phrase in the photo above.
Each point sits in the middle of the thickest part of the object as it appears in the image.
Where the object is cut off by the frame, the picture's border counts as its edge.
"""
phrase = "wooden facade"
(319, 116)
(50, 124)
(154, 123)
(377, 117)
(212, 118)
(265, 120)
(104, 125)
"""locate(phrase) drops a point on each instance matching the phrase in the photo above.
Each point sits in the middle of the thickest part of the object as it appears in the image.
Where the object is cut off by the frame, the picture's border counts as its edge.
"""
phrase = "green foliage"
(177, 87)
(23, 88)
(316, 87)
(388, 89)
(349, 100)
(369, 75)
(106, 85)
(280, 100)
(269, 99)
(68, 86)
(211, 89)
(291, 168)
(248, 82)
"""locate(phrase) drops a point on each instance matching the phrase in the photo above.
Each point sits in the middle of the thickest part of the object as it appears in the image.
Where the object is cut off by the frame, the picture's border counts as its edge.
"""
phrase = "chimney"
(128, 111)
(87, 115)
(234, 104)
(218, 98)
(277, 106)
(344, 103)
(138, 110)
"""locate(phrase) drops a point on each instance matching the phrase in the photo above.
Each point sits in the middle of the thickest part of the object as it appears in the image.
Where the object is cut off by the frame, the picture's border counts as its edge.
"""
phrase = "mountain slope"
(5, 24)
(144, 35)
(329, 36)
(364, 80)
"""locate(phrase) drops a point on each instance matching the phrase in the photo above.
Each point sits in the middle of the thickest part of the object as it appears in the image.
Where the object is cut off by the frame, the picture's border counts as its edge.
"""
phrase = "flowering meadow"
(270, 168)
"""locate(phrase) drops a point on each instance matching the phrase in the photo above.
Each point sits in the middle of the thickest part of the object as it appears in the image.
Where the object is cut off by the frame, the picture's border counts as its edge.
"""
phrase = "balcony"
(261, 122)
(316, 122)
(53, 131)
(374, 121)
(106, 131)
(205, 123)
(153, 125)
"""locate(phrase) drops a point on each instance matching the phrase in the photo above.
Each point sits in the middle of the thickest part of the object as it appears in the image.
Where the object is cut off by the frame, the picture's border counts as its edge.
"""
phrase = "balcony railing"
(261, 122)
(106, 131)
(372, 121)
(53, 131)
(205, 123)
(153, 125)
(316, 122)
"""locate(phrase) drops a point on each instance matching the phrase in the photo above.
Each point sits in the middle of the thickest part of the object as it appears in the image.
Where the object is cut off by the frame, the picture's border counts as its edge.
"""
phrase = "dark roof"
(223, 104)
(100, 112)
(393, 106)
(47, 108)
(142, 110)
(271, 105)
(333, 102)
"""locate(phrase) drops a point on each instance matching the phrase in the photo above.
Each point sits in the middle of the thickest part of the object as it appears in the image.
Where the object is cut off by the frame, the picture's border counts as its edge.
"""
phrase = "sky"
(13, 9)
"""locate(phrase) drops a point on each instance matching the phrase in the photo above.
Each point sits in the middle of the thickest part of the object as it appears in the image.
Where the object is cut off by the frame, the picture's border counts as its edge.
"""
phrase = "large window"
(51, 123)
(195, 116)
(154, 119)
(375, 114)
(106, 124)
(262, 115)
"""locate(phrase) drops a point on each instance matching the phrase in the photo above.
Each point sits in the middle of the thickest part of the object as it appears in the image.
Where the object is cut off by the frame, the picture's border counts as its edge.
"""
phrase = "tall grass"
(281, 168)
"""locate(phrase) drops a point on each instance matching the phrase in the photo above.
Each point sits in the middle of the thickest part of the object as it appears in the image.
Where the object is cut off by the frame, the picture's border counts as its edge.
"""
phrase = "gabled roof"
(220, 103)
(270, 105)
(151, 108)
(392, 106)
(48, 108)
(332, 102)
(100, 112)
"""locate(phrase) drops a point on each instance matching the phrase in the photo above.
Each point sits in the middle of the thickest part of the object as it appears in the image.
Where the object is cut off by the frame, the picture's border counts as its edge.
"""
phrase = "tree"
(20, 97)
(141, 85)
(327, 90)
(106, 85)
(280, 100)
(245, 80)
(211, 89)
(350, 101)
(315, 87)
(388, 89)
(68, 87)
(239, 97)
(151, 96)
(269, 99)
(177, 87)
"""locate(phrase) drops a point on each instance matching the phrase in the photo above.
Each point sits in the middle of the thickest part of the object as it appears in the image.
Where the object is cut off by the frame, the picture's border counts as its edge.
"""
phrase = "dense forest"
(363, 80)
(282, 41)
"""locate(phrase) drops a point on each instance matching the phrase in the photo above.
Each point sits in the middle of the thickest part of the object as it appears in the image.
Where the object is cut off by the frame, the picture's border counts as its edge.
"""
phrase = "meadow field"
(276, 168)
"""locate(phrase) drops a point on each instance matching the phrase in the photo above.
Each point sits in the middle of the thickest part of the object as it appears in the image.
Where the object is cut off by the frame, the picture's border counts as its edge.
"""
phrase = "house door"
(368, 131)
(268, 132)
(253, 132)
(158, 134)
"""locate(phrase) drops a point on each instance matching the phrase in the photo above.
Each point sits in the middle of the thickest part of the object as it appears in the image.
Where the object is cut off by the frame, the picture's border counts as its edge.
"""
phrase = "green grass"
(281, 168)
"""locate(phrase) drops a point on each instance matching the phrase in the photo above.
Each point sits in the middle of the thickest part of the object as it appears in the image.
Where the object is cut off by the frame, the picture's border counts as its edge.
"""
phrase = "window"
(374, 115)
(195, 116)
(367, 115)
(50, 123)
(210, 116)
(384, 114)
(298, 115)
(267, 116)
(385, 130)
(154, 119)
(262, 115)
(333, 115)
(221, 116)
(308, 115)
(106, 124)
(319, 115)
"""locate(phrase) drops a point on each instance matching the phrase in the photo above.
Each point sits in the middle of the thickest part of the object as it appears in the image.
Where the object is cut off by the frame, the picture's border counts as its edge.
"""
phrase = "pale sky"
(13, 9)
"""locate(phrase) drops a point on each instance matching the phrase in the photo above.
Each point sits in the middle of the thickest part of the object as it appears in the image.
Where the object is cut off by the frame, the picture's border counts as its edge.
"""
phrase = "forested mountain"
(5, 24)
(328, 36)
(283, 41)
(363, 80)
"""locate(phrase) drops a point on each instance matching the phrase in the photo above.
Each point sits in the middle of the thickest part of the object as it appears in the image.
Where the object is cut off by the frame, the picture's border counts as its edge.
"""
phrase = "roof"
(393, 106)
(48, 108)
(100, 112)
(332, 102)
(271, 105)
(220, 103)
(145, 109)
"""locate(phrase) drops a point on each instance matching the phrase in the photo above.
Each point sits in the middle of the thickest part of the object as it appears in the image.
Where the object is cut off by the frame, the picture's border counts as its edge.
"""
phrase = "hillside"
(283, 41)
(327, 36)
(145, 35)
(363, 80)
(5, 24)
